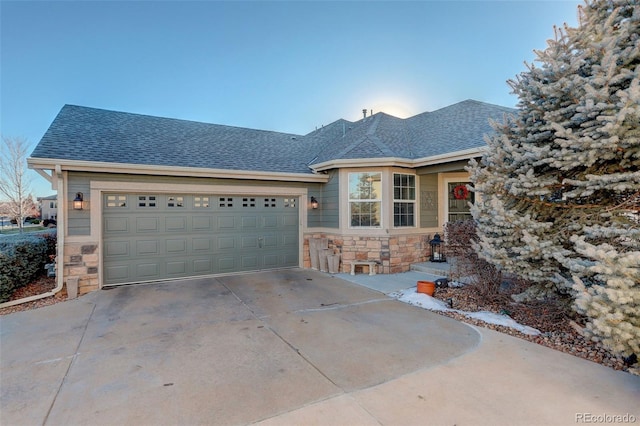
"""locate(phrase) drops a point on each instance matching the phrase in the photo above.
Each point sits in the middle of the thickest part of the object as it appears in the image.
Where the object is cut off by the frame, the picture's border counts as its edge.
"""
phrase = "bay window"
(365, 199)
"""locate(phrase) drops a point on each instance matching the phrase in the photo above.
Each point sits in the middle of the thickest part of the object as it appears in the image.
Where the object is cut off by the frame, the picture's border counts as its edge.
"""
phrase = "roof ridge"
(374, 126)
(183, 120)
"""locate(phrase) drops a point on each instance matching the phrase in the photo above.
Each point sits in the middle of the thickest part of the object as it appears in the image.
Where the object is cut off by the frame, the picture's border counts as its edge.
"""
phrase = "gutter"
(59, 257)
(466, 154)
(104, 167)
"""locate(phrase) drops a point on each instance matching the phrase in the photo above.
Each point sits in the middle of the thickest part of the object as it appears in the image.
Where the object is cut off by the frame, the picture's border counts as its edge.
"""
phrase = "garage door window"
(147, 201)
(269, 202)
(175, 201)
(201, 202)
(226, 202)
(116, 201)
(290, 202)
(248, 202)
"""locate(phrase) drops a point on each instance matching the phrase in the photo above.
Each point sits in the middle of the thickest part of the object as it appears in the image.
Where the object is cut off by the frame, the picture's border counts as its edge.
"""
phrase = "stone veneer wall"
(393, 253)
(81, 261)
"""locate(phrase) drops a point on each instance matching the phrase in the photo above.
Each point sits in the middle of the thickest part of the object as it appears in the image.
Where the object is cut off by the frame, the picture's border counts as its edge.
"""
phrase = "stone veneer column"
(81, 261)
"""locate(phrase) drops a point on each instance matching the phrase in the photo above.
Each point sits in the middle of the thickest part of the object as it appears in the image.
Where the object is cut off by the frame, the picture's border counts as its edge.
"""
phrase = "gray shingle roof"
(454, 128)
(90, 134)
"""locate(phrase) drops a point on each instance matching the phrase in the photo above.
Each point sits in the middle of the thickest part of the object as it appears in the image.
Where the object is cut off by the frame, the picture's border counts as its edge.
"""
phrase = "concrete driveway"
(287, 347)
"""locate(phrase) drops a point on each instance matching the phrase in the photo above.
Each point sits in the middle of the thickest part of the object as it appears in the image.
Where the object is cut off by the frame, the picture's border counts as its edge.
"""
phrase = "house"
(48, 207)
(147, 198)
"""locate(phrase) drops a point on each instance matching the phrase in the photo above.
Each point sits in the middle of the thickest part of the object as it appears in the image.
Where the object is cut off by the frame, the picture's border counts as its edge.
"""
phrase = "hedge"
(22, 259)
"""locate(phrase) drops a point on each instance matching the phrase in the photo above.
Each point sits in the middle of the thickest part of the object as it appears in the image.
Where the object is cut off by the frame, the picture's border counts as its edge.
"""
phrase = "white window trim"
(378, 200)
(414, 201)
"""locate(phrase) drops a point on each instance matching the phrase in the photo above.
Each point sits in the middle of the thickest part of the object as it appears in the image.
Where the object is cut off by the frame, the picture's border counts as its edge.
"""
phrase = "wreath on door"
(460, 192)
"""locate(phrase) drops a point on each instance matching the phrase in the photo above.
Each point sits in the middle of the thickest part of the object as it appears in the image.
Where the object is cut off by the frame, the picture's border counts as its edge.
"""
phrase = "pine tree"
(559, 188)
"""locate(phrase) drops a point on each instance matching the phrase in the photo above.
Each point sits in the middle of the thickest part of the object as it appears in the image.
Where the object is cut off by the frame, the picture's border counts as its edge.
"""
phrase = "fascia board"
(363, 162)
(466, 154)
(102, 167)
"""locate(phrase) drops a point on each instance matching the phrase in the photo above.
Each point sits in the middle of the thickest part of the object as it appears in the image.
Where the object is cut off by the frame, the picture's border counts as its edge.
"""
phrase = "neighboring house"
(48, 207)
(158, 198)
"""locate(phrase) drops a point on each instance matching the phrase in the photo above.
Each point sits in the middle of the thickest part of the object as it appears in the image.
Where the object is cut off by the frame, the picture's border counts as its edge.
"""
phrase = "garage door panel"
(201, 245)
(249, 223)
(270, 241)
(248, 242)
(202, 223)
(249, 262)
(271, 260)
(289, 241)
(147, 224)
(116, 248)
(226, 243)
(148, 271)
(147, 248)
(227, 264)
(118, 273)
(177, 267)
(202, 266)
(176, 224)
(226, 222)
(290, 259)
(182, 235)
(270, 222)
(116, 224)
(176, 246)
(290, 221)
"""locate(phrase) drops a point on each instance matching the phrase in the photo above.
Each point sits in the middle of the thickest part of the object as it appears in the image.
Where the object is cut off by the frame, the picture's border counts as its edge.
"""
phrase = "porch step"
(433, 268)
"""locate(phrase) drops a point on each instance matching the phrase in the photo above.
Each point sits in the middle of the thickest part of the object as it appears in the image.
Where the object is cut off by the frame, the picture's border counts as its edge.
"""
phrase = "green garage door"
(150, 237)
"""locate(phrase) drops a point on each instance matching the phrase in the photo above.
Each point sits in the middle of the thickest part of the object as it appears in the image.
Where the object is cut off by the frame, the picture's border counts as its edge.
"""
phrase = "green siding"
(314, 217)
(429, 201)
(328, 195)
(79, 222)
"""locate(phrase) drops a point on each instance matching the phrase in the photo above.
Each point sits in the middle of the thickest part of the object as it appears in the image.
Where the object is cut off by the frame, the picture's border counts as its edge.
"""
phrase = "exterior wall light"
(77, 202)
(314, 202)
(437, 251)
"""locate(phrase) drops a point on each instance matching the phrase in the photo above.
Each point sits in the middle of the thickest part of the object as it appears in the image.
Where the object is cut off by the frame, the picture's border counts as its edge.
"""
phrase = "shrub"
(22, 259)
(461, 237)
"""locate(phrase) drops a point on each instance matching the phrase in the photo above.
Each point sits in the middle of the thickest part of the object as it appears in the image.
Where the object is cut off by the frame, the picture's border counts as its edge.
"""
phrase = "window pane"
(403, 214)
(365, 213)
(404, 187)
(365, 186)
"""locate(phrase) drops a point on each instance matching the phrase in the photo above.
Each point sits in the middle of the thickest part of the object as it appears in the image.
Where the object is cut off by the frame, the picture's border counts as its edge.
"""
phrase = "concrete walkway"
(290, 347)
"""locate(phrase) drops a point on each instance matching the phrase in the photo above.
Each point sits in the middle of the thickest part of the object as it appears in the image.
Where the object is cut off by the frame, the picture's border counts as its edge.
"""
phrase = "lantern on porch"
(437, 249)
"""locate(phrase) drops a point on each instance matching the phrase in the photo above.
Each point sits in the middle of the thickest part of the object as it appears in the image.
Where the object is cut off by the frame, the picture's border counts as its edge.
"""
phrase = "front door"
(459, 199)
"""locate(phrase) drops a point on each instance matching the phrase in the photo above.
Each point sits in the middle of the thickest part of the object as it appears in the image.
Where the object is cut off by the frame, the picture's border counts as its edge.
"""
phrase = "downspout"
(60, 256)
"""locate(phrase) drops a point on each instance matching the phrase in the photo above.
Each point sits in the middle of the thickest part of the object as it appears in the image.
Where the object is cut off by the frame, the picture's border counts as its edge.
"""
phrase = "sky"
(287, 66)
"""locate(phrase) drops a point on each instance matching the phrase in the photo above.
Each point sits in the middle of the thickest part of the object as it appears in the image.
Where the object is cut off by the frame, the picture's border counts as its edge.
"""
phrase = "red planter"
(426, 287)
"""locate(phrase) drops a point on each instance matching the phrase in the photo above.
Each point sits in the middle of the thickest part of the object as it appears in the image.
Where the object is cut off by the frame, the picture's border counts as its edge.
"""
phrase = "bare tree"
(14, 181)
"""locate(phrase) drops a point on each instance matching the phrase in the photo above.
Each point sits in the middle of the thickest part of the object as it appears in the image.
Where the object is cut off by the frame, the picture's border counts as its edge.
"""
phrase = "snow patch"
(424, 301)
